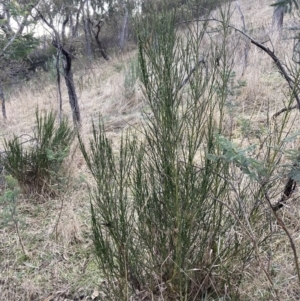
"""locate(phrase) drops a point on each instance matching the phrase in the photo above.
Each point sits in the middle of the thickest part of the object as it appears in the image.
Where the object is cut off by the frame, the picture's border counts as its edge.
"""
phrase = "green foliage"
(240, 157)
(16, 45)
(112, 215)
(23, 43)
(16, 10)
(21, 46)
(37, 163)
(165, 218)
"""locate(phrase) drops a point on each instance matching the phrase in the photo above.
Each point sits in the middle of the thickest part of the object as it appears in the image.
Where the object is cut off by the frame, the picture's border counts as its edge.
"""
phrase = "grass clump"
(37, 163)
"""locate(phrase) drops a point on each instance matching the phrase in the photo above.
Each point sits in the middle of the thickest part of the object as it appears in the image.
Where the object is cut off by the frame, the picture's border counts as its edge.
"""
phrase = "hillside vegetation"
(215, 158)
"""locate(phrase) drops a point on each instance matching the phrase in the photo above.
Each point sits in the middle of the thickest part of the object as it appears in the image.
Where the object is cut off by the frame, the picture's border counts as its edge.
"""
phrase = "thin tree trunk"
(88, 43)
(247, 45)
(59, 86)
(68, 75)
(87, 32)
(58, 43)
(96, 34)
(124, 26)
(73, 99)
(277, 19)
(2, 99)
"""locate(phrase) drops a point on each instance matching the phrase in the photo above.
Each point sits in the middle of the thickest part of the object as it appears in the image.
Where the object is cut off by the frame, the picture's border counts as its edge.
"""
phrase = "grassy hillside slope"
(56, 233)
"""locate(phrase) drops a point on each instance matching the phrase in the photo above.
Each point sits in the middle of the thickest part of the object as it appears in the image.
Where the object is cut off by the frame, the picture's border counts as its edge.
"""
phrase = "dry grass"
(56, 234)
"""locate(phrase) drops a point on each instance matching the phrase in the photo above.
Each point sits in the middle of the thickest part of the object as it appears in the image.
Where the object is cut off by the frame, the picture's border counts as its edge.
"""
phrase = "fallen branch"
(284, 110)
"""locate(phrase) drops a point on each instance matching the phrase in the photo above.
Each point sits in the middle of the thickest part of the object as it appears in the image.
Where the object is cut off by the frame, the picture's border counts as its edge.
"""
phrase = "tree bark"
(2, 99)
(277, 19)
(87, 31)
(124, 26)
(87, 35)
(96, 34)
(58, 85)
(68, 75)
(247, 45)
(73, 99)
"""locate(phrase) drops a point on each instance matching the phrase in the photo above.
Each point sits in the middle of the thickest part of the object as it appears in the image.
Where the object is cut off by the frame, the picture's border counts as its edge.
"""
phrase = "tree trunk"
(59, 43)
(2, 99)
(277, 19)
(87, 35)
(58, 85)
(73, 99)
(68, 75)
(96, 34)
(87, 32)
(247, 44)
(124, 26)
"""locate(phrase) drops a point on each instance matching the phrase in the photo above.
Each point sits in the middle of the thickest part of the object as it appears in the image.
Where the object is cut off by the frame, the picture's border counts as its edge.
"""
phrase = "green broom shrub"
(37, 163)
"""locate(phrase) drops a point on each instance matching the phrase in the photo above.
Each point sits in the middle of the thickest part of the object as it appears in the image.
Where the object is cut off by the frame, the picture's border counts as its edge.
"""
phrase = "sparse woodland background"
(149, 150)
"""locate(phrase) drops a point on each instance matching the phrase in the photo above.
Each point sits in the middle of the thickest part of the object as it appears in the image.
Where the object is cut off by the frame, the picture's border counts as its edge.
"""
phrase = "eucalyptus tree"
(278, 14)
(15, 17)
(62, 18)
(95, 16)
(125, 6)
(280, 8)
(87, 29)
(112, 19)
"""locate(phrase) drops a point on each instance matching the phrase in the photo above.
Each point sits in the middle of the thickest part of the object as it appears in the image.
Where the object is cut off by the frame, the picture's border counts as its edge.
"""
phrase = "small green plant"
(37, 163)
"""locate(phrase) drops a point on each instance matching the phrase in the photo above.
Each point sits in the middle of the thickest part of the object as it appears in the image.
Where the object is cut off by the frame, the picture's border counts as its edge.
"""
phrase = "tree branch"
(20, 29)
(50, 25)
(284, 110)
(293, 86)
(102, 51)
(201, 61)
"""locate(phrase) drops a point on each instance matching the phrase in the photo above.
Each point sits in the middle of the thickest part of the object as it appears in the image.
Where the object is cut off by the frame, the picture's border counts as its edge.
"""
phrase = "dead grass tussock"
(279, 263)
(68, 228)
